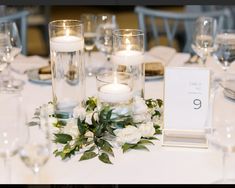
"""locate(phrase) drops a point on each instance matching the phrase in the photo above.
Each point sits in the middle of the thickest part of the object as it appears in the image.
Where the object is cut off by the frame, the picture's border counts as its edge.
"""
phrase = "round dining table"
(159, 165)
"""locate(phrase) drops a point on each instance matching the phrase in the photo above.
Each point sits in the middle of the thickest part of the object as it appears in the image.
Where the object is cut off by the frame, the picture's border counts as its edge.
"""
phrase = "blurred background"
(126, 17)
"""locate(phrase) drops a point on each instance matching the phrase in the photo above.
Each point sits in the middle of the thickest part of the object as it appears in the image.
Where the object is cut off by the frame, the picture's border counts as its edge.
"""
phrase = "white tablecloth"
(160, 165)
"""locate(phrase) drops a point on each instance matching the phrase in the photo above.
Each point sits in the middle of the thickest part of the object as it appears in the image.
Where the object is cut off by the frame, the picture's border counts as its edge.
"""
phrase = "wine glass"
(225, 48)
(222, 134)
(90, 25)
(203, 37)
(10, 47)
(36, 151)
(13, 132)
(106, 25)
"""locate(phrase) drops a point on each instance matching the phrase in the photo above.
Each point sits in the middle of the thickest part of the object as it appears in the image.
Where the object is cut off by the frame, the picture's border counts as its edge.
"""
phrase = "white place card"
(186, 102)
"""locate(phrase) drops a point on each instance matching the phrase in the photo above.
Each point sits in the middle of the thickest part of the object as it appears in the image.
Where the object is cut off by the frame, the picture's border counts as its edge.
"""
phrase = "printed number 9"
(197, 104)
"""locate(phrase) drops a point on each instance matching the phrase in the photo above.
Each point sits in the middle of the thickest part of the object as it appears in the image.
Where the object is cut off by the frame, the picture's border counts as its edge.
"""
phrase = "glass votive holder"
(127, 56)
(67, 65)
(115, 89)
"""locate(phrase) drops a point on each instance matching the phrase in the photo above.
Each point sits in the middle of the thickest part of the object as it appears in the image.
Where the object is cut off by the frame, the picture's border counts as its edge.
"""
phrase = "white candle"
(128, 57)
(66, 43)
(115, 93)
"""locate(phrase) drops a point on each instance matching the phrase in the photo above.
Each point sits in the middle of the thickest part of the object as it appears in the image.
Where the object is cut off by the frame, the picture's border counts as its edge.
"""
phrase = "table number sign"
(186, 102)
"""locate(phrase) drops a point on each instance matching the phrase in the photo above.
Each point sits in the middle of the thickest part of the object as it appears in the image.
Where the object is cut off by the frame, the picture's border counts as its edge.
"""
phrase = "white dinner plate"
(33, 76)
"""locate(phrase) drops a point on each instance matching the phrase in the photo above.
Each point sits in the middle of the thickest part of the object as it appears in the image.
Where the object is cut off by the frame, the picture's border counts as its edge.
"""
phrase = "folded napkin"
(22, 63)
(163, 53)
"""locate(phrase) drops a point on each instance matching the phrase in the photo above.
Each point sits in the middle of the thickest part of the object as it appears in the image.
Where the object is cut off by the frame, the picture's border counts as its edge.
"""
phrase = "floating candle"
(115, 93)
(66, 43)
(128, 57)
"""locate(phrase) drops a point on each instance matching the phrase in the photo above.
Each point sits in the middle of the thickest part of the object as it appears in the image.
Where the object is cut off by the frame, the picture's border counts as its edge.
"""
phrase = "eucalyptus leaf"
(105, 158)
(88, 155)
(140, 147)
(126, 147)
(145, 142)
(62, 138)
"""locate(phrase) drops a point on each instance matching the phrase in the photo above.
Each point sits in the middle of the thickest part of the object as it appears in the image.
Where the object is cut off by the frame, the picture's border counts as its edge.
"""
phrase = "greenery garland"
(93, 129)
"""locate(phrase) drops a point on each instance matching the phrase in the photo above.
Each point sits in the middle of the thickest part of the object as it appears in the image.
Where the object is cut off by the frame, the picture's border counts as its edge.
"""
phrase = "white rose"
(120, 111)
(79, 112)
(147, 129)
(130, 135)
(140, 118)
(71, 128)
(139, 106)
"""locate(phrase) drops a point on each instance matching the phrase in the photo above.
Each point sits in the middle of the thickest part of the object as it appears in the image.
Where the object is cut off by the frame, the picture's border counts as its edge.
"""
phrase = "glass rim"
(106, 73)
(120, 32)
(106, 14)
(59, 23)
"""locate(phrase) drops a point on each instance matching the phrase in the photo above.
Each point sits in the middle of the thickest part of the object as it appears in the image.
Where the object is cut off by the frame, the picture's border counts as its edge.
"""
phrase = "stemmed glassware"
(13, 132)
(225, 48)
(36, 151)
(106, 25)
(222, 134)
(10, 47)
(203, 37)
(90, 25)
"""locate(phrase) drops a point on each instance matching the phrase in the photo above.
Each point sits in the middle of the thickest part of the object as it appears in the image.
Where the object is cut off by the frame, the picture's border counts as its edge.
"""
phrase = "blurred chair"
(21, 20)
(206, 8)
(156, 23)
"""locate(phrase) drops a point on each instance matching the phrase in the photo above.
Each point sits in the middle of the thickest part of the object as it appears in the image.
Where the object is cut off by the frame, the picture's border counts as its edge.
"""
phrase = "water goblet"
(225, 48)
(36, 151)
(222, 133)
(10, 47)
(106, 25)
(203, 37)
(90, 24)
(13, 132)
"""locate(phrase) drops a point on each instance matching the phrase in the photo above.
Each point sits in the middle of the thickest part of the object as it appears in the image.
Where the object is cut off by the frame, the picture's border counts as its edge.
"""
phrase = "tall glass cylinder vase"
(128, 51)
(67, 64)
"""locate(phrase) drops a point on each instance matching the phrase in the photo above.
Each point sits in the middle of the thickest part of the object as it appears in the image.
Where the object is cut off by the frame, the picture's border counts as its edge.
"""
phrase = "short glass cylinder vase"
(67, 65)
(127, 56)
(115, 89)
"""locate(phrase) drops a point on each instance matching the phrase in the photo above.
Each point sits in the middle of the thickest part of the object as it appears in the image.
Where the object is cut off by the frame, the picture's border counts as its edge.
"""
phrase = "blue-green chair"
(173, 23)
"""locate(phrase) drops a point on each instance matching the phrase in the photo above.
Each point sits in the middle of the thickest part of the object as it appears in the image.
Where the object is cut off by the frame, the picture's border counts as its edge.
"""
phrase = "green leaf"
(62, 115)
(153, 138)
(92, 148)
(160, 102)
(140, 147)
(145, 142)
(109, 114)
(67, 148)
(88, 155)
(105, 158)
(62, 138)
(81, 127)
(91, 104)
(107, 148)
(126, 147)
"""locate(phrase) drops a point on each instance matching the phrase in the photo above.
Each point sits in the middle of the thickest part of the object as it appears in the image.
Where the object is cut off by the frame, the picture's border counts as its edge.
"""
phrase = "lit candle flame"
(67, 32)
(128, 44)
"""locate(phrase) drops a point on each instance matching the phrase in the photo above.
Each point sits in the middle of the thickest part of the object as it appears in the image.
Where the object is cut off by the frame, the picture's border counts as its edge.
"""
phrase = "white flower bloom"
(139, 106)
(79, 112)
(147, 129)
(140, 118)
(71, 128)
(130, 135)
